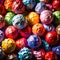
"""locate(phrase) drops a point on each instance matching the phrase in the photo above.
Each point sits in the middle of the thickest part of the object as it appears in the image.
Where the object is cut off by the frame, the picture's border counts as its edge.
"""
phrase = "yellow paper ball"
(33, 18)
(8, 45)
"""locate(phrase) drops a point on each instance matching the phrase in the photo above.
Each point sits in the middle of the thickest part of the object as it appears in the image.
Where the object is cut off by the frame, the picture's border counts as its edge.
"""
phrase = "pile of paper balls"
(29, 29)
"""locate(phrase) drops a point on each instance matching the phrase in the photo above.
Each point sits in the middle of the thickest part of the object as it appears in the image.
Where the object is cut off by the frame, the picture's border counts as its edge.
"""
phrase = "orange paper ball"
(8, 4)
(38, 29)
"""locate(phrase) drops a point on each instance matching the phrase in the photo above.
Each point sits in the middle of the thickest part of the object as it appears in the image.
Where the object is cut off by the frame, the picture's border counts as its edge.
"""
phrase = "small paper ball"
(46, 17)
(58, 29)
(45, 1)
(49, 27)
(2, 22)
(52, 38)
(19, 21)
(18, 7)
(40, 54)
(26, 32)
(32, 18)
(34, 41)
(20, 43)
(8, 45)
(8, 4)
(2, 10)
(8, 17)
(11, 32)
(45, 45)
(56, 4)
(1, 53)
(56, 50)
(25, 54)
(40, 7)
(56, 15)
(38, 29)
(50, 56)
(1, 35)
(29, 3)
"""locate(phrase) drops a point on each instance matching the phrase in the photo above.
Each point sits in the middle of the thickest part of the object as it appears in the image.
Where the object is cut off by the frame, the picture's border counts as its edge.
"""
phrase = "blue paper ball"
(29, 3)
(56, 50)
(40, 7)
(34, 41)
(25, 54)
(19, 21)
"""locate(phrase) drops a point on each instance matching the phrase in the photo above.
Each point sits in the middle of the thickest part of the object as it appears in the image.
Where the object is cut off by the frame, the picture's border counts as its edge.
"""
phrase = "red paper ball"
(52, 38)
(56, 4)
(11, 32)
(50, 56)
(2, 10)
(26, 32)
(20, 43)
(18, 7)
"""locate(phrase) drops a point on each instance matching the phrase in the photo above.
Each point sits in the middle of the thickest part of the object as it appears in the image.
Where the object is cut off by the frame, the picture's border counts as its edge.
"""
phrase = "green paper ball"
(56, 15)
(8, 18)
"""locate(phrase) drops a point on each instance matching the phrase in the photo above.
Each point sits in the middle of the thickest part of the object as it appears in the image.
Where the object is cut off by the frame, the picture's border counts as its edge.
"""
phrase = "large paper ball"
(25, 54)
(46, 17)
(2, 22)
(8, 18)
(52, 38)
(50, 56)
(32, 18)
(34, 41)
(20, 43)
(19, 21)
(18, 7)
(11, 32)
(8, 45)
(38, 29)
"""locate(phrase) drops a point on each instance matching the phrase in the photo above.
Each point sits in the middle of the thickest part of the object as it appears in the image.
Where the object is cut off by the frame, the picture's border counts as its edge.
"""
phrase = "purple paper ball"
(40, 7)
(34, 41)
